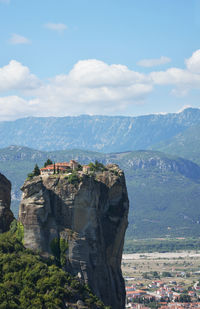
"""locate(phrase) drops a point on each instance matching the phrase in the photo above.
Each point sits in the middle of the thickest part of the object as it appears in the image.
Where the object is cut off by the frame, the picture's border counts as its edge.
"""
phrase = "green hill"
(164, 193)
(185, 144)
(164, 190)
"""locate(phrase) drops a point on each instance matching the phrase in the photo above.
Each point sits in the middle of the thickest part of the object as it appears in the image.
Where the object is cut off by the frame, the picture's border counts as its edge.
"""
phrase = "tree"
(36, 171)
(166, 274)
(184, 298)
(155, 274)
(48, 162)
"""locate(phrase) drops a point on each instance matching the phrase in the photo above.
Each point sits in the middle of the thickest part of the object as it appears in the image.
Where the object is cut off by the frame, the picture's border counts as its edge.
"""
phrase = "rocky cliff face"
(83, 224)
(6, 215)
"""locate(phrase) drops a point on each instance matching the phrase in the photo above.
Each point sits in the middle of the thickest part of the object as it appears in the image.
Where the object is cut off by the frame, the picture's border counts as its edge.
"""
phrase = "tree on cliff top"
(36, 171)
(48, 162)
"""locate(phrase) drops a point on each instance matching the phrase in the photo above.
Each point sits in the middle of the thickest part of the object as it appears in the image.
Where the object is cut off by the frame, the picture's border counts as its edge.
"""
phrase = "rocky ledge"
(81, 221)
(6, 215)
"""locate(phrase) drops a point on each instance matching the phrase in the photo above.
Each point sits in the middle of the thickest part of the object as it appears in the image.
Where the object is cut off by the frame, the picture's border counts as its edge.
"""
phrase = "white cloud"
(18, 39)
(153, 62)
(175, 76)
(183, 80)
(13, 107)
(59, 27)
(193, 63)
(97, 73)
(91, 87)
(15, 76)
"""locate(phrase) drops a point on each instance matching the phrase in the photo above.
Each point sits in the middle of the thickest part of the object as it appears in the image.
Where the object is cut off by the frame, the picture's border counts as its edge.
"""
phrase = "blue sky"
(110, 57)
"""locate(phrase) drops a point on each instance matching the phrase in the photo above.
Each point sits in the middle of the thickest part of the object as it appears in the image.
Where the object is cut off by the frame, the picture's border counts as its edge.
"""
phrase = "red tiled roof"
(59, 165)
(52, 168)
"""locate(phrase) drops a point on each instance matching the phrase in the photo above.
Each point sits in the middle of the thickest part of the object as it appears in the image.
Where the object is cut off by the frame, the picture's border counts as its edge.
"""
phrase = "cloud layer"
(59, 27)
(148, 63)
(18, 39)
(91, 87)
(15, 76)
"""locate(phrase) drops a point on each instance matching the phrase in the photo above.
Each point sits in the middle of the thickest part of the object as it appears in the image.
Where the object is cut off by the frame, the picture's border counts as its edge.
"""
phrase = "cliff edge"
(81, 220)
(6, 215)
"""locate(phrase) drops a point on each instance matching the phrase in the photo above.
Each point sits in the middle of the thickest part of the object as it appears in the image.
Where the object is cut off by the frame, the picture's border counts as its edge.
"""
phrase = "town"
(165, 295)
(169, 280)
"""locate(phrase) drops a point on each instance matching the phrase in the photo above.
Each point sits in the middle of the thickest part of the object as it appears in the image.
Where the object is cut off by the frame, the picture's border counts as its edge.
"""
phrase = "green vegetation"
(58, 249)
(48, 162)
(97, 166)
(17, 228)
(114, 172)
(28, 281)
(184, 298)
(186, 144)
(20, 232)
(55, 249)
(63, 249)
(166, 274)
(74, 178)
(151, 303)
(35, 172)
(161, 245)
(79, 168)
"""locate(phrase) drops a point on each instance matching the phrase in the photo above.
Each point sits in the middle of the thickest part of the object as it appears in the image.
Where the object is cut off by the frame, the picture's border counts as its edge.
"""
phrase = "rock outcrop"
(82, 224)
(6, 215)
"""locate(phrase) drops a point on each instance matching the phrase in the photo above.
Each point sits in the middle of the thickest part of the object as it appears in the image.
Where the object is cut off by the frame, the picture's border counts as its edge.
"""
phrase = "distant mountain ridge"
(97, 133)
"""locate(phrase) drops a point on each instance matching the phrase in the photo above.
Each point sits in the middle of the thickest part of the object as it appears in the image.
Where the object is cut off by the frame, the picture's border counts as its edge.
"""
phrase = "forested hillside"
(28, 281)
(186, 144)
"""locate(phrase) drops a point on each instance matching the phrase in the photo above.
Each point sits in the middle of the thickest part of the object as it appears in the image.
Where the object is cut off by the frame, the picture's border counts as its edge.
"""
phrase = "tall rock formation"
(82, 221)
(6, 215)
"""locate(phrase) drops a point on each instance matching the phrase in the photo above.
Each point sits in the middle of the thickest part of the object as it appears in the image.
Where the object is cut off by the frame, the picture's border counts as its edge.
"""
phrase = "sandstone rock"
(6, 215)
(85, 223)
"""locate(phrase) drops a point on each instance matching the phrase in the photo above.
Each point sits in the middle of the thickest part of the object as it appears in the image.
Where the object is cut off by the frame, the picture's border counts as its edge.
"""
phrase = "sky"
(104, 57)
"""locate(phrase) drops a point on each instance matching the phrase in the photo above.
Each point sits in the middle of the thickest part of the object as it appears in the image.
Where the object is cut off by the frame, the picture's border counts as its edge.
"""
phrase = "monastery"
(62, 167)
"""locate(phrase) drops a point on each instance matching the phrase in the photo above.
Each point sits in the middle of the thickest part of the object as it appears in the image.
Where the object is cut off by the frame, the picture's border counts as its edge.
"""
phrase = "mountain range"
(96, 133)
(163, 179)
(164, 190)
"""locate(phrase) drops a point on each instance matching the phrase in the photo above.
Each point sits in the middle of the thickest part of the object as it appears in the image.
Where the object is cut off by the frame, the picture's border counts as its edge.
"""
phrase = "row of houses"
(181, 306)
(167, 306)
(163, 292)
